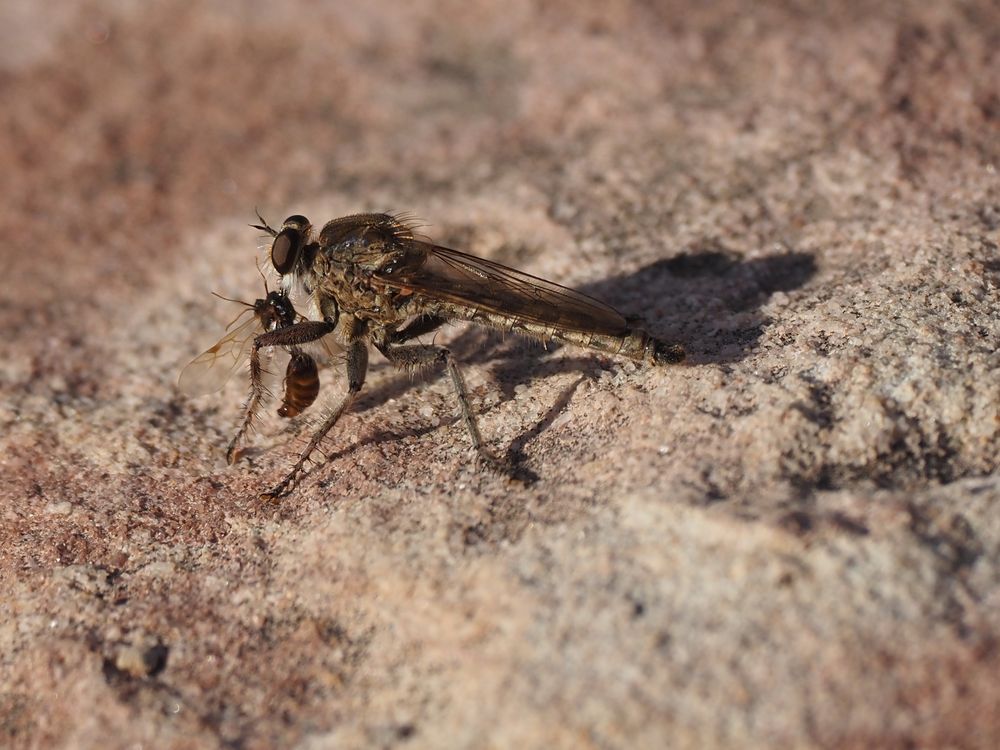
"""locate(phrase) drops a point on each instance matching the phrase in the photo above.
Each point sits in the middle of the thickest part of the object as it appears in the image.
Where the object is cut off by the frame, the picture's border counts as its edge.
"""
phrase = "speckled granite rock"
(793, 540)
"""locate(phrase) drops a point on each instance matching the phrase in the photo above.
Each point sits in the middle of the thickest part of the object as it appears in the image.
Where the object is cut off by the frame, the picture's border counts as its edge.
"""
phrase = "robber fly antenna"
(263, 226)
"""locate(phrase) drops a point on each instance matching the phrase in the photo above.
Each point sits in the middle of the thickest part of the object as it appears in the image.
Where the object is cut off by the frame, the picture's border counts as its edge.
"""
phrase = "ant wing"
(329, 348)
(211, 370)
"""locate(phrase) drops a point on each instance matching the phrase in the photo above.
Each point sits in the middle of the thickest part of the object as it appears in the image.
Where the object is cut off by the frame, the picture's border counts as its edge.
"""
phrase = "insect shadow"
(707, 299)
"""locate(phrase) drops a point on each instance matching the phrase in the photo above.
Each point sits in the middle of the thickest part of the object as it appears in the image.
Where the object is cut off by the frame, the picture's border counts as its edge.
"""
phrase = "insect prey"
(212, 369)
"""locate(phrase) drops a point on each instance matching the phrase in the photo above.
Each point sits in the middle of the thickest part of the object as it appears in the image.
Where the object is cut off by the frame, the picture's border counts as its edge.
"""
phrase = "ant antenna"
(239, 302)
(229, 299)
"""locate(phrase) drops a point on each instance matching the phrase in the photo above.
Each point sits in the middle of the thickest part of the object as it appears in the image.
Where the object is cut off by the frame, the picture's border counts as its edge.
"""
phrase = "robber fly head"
(291, 243)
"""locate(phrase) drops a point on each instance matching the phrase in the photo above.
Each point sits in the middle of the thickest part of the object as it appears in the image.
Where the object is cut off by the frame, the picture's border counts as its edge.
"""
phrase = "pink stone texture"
(792, 540)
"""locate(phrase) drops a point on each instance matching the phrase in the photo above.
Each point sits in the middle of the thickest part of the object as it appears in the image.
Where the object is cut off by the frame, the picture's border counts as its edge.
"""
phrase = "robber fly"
(373, 283)
(212, 369)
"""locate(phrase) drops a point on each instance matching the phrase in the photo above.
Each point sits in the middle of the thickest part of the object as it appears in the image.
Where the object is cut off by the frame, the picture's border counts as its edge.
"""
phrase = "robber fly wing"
(447, 275)
(211, 370)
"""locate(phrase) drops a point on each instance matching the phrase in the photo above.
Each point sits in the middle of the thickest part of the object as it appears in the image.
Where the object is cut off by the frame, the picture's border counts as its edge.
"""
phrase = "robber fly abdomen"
(633, 343)
(375, 284)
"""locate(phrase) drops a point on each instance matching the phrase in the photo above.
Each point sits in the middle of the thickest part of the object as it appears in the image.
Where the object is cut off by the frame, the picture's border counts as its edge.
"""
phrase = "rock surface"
(792, 540)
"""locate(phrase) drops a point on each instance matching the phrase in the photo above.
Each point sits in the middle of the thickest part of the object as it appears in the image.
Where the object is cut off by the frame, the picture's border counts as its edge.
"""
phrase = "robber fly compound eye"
(285, 249)
(288, 243)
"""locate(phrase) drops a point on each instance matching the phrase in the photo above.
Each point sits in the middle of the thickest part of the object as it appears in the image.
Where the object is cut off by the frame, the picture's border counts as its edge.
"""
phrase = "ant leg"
(417, 357)
(298, 333)
(357, 367)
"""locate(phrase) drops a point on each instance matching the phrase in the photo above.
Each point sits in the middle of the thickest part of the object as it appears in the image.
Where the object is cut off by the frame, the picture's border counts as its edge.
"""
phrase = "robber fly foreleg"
(293, 335)
(418, 357)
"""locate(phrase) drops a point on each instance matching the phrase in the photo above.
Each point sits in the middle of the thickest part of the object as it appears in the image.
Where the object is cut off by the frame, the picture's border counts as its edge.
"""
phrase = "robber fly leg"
(298, 333)
(250, 408)
(417, 357)
(418, 327)
(357, 367)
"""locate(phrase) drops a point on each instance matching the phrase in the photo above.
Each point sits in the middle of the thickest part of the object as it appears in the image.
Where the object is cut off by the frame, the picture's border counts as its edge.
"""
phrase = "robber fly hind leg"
(417, 327)
(416, 357)
(357, 367)
(293, 335)
(419, 356)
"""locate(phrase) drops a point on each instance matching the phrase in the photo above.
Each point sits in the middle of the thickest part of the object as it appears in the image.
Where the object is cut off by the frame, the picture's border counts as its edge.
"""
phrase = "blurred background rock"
(794, 541)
